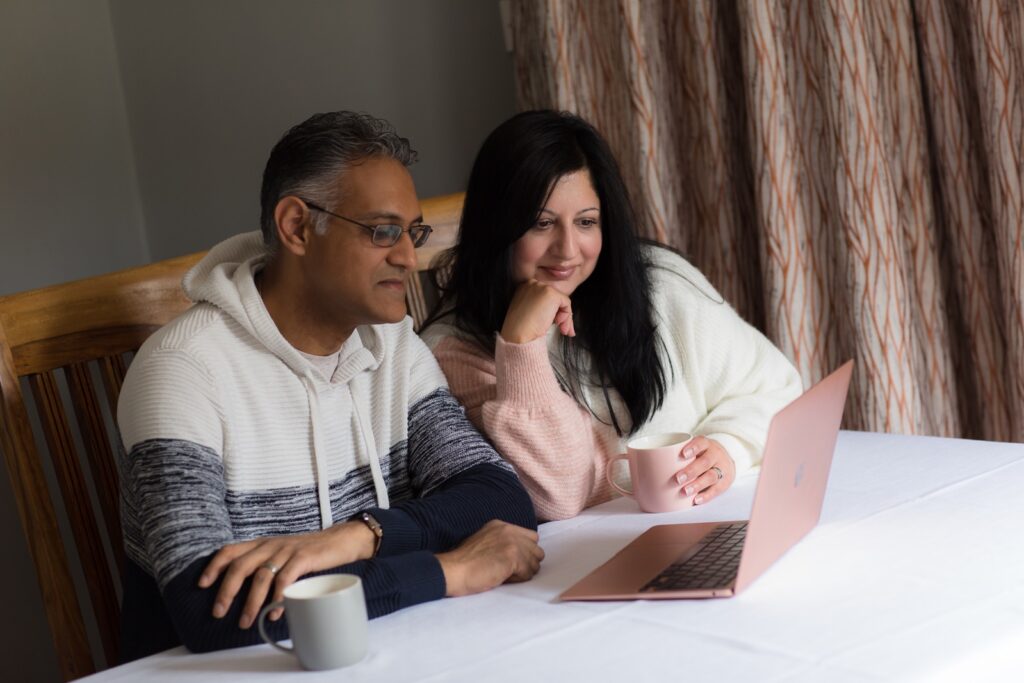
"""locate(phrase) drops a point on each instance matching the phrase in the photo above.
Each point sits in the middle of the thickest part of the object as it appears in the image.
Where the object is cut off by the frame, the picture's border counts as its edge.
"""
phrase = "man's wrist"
(450, 568)
(359, 540)
(375, 528)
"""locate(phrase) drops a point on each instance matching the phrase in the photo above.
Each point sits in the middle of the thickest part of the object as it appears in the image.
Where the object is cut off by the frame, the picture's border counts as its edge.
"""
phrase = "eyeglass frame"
(422, 229)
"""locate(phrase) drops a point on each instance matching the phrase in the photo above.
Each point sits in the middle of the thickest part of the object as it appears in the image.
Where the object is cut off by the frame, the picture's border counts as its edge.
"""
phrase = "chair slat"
(39, 521)
(97, 447)
(415, 299)
(113, 369)
(80, 515)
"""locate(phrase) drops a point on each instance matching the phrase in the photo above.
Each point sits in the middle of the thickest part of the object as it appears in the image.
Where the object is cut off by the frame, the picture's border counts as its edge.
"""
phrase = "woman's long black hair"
(512, 178)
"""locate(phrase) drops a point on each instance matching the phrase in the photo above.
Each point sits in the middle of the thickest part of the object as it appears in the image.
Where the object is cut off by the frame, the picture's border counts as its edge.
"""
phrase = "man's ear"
(291, 215)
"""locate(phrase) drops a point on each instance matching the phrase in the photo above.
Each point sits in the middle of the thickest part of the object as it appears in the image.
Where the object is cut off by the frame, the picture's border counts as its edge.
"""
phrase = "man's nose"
(403, 253)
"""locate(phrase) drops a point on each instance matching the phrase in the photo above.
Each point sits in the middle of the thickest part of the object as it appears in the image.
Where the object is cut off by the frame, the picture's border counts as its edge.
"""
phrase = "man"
(291, 422)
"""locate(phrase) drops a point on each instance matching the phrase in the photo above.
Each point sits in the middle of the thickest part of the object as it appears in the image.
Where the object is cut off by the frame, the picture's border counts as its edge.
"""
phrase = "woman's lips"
(558, 273)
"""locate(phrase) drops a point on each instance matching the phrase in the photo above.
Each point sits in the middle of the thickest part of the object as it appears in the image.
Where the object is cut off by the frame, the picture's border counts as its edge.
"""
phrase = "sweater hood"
(224, 279)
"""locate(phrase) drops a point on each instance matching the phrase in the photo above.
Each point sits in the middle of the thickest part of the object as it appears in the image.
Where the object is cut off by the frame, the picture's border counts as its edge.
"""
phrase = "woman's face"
(562, 247)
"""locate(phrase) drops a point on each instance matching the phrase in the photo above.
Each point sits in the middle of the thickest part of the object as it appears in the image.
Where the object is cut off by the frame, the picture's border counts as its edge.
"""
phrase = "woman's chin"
(566, 287)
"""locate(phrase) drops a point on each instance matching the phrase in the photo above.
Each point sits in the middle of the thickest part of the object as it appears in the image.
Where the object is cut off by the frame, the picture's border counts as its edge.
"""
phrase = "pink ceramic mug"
(654, 462)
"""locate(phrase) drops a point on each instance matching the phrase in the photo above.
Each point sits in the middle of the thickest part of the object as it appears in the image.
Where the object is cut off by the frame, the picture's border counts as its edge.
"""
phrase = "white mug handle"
(608, 475)
(260, 621)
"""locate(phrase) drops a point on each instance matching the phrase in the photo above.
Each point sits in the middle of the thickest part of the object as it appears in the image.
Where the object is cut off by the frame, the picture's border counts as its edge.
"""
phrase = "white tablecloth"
(916, 572)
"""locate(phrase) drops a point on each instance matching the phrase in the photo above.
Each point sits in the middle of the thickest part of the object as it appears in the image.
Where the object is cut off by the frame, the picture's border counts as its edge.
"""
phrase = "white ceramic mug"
(654, 462)
(326, 619)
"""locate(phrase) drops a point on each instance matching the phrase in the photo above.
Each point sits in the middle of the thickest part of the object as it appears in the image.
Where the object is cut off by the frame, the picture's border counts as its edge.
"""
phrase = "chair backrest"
(443, 214)
(71, 344)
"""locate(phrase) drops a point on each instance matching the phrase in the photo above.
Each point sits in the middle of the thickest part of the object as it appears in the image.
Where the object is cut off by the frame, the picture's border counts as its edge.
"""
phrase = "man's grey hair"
(310, 158)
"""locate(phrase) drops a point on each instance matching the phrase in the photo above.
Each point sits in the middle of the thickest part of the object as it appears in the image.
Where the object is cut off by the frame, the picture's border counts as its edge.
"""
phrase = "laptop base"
(624, 575)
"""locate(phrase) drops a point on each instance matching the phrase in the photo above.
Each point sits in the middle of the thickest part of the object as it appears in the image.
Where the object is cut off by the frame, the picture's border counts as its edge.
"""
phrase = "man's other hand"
(497, 553)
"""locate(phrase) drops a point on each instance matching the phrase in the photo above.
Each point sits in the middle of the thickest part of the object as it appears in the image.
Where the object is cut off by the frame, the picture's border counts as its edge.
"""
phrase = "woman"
(564, 335)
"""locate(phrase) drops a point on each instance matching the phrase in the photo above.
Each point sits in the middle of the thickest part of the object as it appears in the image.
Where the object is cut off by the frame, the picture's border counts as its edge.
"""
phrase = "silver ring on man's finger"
(270, 567)
(721, 474)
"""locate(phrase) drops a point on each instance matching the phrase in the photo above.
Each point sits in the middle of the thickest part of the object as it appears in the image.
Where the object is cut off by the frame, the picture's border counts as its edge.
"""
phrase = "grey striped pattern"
(294, 509)
(444, 443)
(176, 506)
(173, 506)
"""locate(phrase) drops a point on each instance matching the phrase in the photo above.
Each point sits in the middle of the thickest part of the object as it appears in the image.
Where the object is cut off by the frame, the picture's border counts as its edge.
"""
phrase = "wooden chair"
(88, 330)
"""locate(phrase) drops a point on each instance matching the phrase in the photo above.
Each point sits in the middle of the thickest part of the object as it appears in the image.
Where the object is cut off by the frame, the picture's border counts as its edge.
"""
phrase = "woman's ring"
(721, 475)
(274, 569)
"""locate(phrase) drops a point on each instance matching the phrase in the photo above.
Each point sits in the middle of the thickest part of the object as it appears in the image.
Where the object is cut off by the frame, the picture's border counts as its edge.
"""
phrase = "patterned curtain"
(847, 172)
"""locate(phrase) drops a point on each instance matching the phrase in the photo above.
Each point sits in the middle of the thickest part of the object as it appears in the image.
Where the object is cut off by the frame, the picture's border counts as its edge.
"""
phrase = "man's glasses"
(383, 235)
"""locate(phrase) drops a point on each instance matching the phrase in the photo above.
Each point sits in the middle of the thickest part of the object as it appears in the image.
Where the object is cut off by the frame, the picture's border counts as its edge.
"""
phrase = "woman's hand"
(710, 472)
(280, 561)
(534, 309)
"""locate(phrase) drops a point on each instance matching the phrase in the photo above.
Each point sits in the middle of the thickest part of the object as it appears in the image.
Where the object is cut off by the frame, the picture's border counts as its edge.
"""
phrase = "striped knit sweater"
(726, 382)
(231, 434)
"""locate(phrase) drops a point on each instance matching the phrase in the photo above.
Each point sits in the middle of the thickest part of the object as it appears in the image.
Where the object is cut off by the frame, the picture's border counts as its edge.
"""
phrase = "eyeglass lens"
(388, 235)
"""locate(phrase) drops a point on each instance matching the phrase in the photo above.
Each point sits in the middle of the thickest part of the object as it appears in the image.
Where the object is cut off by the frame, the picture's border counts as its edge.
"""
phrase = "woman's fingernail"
(681, 478)
(698, 500)
(688, 452)
(689, 490)
(245, 621)
(219, 610)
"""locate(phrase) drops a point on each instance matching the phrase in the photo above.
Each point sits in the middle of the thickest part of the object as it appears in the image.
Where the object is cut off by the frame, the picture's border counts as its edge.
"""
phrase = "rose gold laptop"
(719, 559)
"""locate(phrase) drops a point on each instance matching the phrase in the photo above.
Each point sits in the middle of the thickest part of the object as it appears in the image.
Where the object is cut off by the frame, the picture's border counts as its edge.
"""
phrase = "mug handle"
(260, 621)
(608, 475)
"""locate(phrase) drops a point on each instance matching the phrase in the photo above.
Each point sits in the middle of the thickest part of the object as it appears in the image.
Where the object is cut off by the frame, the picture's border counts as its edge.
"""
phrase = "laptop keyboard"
(714, 565)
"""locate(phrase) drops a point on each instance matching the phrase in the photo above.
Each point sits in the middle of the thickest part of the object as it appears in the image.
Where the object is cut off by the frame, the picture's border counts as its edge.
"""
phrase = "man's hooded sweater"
(230, 434)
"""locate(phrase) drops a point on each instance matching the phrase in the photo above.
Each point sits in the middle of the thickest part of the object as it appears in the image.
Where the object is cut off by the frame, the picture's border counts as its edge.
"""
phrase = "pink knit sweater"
(558, 449)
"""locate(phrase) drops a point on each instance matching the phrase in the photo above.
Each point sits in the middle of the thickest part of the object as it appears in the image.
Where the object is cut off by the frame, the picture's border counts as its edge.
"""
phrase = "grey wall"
(209, 90)
(69, 201)
(135, 130)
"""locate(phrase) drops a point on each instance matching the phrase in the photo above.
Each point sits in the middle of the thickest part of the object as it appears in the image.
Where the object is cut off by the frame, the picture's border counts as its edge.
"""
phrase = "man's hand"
(534, 309)
(293, 556)
(497, 553)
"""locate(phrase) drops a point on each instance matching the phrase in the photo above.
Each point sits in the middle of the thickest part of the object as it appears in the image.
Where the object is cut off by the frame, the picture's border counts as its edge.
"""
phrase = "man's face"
(355, 281)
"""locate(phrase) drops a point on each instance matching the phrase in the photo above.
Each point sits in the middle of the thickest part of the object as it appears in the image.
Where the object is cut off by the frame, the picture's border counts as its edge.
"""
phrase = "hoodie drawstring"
(370, 444)
(322, 481)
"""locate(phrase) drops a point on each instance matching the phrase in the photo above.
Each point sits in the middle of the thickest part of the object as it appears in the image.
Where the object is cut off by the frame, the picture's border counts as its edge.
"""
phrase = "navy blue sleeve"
(461, 481)
(454, 511)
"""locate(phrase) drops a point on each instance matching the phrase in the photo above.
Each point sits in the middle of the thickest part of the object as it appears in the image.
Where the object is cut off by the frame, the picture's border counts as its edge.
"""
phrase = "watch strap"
(374, 526)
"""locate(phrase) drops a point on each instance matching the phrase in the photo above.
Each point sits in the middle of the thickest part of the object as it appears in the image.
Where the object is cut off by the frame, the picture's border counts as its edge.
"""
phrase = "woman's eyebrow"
(589, 208)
